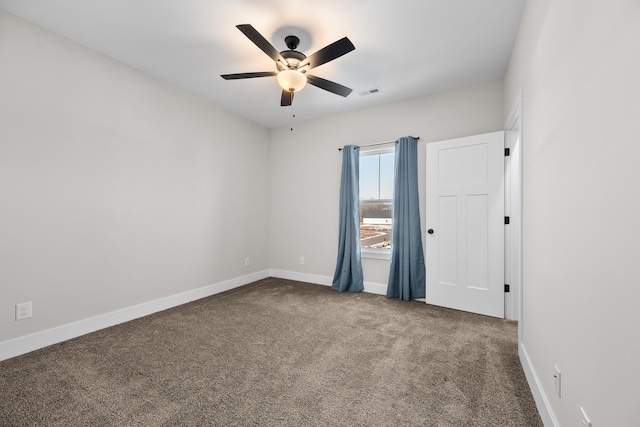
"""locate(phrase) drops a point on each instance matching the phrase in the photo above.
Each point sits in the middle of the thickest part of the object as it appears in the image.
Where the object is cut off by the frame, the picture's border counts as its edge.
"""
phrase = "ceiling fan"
(293, 66)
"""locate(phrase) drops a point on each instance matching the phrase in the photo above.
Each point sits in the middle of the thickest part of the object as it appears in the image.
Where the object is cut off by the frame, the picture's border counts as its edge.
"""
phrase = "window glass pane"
(375, 225)
(376, 192)
(369, 177)
(386, 175)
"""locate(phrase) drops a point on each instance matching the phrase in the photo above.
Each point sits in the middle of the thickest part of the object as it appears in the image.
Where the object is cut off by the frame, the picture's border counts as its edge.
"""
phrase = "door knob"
(430, 231)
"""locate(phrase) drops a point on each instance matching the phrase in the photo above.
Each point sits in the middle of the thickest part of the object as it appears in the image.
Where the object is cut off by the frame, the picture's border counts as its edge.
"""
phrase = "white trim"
(369, 287)
(516, 110)
(373, 253)
(375, 288)
(514, 245)
(301, 277)
(542, 402)
(387, 147)
(25, 344)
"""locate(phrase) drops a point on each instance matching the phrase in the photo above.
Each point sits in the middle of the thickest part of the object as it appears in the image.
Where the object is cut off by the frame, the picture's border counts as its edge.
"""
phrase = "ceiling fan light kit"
(293, 66)
(291, 80)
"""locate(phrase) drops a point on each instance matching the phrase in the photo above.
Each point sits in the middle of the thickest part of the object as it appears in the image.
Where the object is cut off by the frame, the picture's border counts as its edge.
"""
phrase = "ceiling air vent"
(369, 92)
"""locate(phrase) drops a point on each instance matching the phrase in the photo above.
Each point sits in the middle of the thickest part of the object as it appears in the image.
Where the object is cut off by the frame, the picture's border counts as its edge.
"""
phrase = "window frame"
(376, 253)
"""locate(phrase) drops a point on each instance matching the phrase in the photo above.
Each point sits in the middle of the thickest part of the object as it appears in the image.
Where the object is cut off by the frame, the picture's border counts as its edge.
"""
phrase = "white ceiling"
(406, 48)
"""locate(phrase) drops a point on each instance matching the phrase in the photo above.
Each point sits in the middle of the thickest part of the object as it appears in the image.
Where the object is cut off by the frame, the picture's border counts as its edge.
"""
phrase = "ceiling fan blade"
(329, 53)
(248, 75)
(328, 85)
(261, 42)
(287, 98)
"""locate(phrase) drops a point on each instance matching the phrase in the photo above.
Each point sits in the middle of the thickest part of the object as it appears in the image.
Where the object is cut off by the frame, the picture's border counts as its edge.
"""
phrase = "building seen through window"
(376, 196)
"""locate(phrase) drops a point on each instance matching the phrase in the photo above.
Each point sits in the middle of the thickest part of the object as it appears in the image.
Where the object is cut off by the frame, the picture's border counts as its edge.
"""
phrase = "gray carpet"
(278, 353)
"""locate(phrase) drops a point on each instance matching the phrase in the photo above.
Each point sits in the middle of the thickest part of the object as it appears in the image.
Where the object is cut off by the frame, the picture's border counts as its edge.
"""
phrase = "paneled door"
(465, 224)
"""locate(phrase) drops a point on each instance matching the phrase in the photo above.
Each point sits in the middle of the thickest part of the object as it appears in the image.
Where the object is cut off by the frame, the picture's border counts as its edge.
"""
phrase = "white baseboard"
(369, 287)
(375, 288)
(21, 345)
(301, 277)
(542, 402)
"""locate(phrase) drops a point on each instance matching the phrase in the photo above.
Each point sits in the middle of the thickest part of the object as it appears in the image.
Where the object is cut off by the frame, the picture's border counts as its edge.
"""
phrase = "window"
(376, 197)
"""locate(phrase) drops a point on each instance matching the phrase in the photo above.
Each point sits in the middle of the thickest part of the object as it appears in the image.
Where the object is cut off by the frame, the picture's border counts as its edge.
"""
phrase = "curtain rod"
(377, 143)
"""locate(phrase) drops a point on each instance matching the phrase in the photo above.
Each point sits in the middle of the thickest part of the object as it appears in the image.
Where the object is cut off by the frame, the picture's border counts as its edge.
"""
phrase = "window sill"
(376, 254)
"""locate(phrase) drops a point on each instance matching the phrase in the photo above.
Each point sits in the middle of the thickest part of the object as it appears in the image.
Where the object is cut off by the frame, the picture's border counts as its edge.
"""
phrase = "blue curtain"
(348, 275)
(407, 272)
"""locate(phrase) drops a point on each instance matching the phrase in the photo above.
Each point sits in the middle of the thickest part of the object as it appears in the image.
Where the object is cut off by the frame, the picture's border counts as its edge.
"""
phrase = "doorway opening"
(513, 209)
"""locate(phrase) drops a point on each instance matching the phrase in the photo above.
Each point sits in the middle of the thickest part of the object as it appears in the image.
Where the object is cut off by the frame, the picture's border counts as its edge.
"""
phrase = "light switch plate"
(557, 383)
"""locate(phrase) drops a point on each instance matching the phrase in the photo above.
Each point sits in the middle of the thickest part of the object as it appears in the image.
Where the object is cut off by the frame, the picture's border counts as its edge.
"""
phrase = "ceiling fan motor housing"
(293, 58)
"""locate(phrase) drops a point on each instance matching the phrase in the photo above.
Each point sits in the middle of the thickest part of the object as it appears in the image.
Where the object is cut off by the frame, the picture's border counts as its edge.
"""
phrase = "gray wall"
(305, 170)
(577, 63)
(116, 189)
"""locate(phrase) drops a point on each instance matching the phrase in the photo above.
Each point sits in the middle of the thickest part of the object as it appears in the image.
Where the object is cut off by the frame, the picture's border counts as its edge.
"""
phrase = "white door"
(465, 223)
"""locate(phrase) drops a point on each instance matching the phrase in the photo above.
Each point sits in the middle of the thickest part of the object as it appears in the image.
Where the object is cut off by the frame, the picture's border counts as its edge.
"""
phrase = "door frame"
(514, 209)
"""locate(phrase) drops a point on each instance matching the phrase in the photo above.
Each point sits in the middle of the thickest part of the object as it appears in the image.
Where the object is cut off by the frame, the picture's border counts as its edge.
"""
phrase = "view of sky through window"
(376, 177)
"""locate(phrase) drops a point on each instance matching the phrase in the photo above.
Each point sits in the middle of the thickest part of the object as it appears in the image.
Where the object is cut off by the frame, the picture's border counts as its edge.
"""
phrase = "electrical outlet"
(24, 310)
(557, 380)
(301, 260)
(583, 417)
(247, 262)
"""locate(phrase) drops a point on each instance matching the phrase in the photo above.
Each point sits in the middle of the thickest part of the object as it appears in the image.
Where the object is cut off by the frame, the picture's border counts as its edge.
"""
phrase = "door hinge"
(507, 152)
(506, 220)
(506, 288)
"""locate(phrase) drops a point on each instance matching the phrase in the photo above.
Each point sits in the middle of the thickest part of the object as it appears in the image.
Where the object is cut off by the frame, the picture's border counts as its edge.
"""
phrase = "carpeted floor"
(278, 353)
